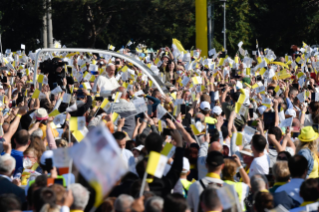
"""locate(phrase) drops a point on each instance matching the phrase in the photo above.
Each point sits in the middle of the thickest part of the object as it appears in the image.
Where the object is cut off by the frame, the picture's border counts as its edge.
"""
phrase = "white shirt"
(292, 188)
(310, 207)
(106, 84)
(260, 165)
(308, 120)
(196, 189)
(128, 157)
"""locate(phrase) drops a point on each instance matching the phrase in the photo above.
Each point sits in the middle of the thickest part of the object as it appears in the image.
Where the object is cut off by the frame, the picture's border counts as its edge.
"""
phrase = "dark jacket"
(162, 187)
(81, 110)
(7, 187)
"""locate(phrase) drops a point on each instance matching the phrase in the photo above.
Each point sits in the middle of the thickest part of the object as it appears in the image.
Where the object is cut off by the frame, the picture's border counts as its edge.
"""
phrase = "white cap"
(46, 155)
(186, 165)
(205, 105)
(262, 109)
(217, 110)
(291, 112)
(139, 147)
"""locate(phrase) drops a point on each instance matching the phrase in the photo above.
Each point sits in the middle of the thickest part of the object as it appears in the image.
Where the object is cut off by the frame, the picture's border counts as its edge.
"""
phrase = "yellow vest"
(239, 189)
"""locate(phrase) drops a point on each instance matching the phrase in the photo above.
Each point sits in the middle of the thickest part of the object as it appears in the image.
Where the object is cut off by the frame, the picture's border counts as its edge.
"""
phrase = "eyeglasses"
(29, 157)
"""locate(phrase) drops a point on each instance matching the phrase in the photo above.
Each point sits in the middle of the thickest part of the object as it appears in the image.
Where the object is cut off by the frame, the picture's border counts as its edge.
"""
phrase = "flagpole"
(143, 184)
(71, 161)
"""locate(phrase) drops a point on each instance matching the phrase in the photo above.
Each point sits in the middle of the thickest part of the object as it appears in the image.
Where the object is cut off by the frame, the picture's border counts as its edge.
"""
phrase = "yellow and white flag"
(80, 134)
(105, 104)
(87, 85)
(168, 150)
(117, 96)
(77, 123)
(156, 164)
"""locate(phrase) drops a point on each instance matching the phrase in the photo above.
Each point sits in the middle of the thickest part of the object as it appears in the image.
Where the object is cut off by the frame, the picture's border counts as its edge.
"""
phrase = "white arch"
(146, 70)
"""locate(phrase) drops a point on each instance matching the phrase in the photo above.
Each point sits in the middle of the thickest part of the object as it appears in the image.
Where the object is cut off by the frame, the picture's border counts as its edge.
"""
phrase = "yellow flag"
(239, 139)
(36, 94)
(160, 126)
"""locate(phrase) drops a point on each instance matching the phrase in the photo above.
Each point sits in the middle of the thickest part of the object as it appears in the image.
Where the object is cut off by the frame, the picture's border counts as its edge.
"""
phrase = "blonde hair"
(229, 170)
(312, 146)
(281, 171)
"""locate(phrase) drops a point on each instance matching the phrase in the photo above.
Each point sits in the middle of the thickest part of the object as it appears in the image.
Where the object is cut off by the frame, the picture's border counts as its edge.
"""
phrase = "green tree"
(21, 21)
(238, 27)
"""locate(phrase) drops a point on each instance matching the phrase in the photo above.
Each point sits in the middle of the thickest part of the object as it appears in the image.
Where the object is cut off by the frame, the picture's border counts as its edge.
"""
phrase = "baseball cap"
(205, 105)
(214, 159)
(186, 165)
(217, 110)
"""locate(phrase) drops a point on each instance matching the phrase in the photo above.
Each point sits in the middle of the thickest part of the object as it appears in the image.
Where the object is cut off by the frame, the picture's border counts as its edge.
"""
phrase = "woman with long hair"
(308, 148)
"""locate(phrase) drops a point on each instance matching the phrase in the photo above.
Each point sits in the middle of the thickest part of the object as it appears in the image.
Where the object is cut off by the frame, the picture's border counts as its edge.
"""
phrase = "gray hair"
(7, 164)
(258, 182)
(154, 204)
(81, 196)
(123, 202)
(37, 133)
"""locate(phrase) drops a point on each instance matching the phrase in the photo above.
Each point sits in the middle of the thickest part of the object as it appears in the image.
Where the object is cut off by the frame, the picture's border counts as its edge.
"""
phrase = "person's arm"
(174, 173)
(272, 139)
(231, 121)
(120, 124)
(34, 128)
(224, 94)
(242, 171)
(276, 112)
(233, 146)
(219, 124)
(15, 124)
(50, 137)
(137, 126)
(303, 115)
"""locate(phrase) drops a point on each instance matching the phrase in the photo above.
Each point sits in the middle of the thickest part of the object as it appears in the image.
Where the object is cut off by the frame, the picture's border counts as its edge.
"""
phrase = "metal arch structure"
(146, 70)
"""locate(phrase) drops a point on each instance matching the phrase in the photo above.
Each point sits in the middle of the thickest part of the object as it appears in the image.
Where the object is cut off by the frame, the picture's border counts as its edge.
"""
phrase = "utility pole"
(50, 28)
(224, 24)
(45, 25)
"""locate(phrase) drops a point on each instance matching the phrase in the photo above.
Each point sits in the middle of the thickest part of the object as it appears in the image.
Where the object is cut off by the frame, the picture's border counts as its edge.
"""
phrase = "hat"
(262, 109)
(217, 110)
(139, 147)
(41, 114)
(247, 151)
(291, 112)
(46, 155)
(205, 105)
(186, 165)
(214, 159)
(307, 134)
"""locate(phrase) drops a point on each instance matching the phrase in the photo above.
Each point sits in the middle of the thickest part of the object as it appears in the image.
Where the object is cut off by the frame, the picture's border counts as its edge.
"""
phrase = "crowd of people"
(242, 132)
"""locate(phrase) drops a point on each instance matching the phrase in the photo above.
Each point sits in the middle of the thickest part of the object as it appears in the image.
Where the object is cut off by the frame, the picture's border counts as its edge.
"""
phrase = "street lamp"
(224, 24)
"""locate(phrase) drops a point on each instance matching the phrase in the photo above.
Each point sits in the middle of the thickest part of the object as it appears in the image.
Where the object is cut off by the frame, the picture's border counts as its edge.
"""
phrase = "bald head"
(215, 146)
(110, 70)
